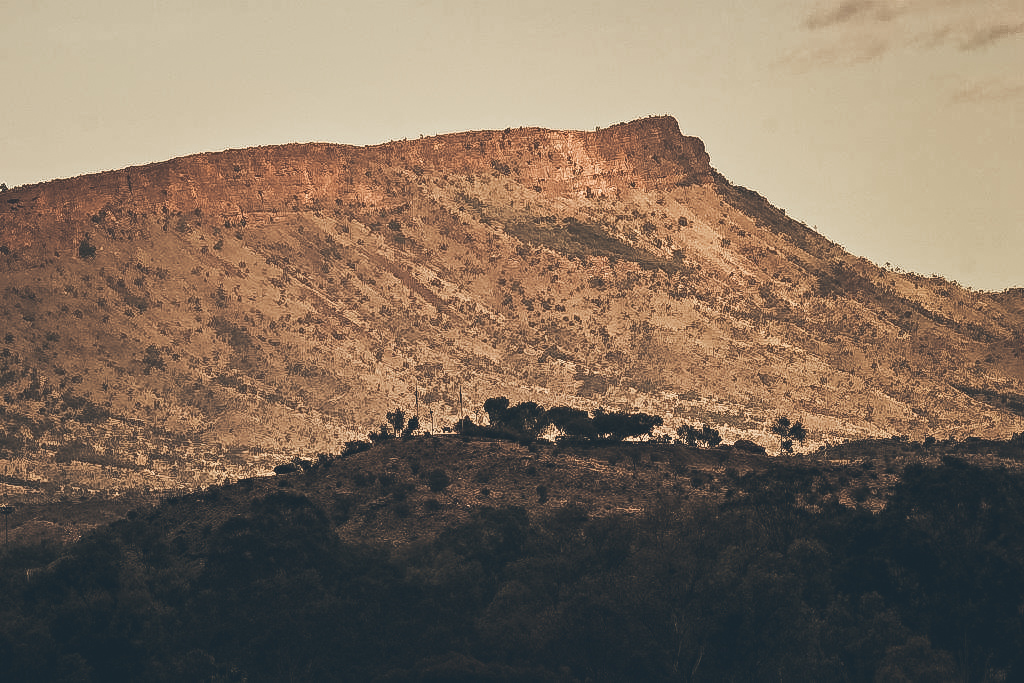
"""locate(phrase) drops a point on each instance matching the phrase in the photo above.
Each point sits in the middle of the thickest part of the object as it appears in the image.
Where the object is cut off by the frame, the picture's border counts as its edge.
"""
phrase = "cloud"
(853, 31)
(845, 11)
(987, 35)
(857, 51)
(996, 91)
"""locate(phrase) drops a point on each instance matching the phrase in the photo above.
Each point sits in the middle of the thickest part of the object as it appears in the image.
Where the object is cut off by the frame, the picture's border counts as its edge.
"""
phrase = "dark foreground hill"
(451, 559)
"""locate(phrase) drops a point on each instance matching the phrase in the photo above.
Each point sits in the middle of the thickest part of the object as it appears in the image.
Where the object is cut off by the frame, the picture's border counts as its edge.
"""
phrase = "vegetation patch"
(250, 582)
(580, 240)
(997, 399)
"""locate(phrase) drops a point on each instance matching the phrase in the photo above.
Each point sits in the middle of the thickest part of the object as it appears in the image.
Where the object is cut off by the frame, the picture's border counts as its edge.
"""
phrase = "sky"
(894, 128)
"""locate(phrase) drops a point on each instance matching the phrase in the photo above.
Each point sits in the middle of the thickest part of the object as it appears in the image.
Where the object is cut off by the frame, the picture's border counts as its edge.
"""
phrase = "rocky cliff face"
(211, 315)
(645, 154)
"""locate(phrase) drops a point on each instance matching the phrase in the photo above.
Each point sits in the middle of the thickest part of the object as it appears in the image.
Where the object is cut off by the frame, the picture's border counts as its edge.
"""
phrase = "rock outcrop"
(645, 154)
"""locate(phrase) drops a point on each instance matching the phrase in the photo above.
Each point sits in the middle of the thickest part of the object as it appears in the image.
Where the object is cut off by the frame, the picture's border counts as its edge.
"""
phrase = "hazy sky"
(895, 128)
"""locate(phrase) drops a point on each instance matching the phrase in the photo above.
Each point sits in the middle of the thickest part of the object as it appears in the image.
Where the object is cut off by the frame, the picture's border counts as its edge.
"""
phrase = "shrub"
(542, 493)
(353, 447)
(86, 249)
(438, 480)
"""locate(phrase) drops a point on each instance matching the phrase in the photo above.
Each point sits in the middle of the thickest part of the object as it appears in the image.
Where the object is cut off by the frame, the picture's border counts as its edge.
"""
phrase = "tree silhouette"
(465, 426)
(572, 422)
(798, 432)
(497, 410)
(523, 420)
(788, 432)
(705, 436)
(618, 425)
(526, 418)
(396, 419)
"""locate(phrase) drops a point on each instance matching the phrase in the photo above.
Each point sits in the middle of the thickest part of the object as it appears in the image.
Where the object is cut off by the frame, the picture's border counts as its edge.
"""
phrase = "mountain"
(204, 318)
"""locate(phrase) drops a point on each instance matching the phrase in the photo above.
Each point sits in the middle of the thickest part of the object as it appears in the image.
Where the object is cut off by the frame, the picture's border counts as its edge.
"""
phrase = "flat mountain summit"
(207, 317)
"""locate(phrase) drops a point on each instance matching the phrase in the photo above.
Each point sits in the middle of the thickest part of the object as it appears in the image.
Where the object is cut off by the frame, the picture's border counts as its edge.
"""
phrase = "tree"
(618, 425)
(705, 436)
(523, 420)
(798, 432)
(381, 435)
(709, 437)
(572, 422)
(526, 419)
(688, 434)
(497, 410)
(788, 432)
(396, 419)
(465, 426)
(781, 429)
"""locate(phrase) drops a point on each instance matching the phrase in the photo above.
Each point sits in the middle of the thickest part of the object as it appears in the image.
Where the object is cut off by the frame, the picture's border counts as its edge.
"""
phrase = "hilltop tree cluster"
(526, 421)
(395, 426)
(704, 436)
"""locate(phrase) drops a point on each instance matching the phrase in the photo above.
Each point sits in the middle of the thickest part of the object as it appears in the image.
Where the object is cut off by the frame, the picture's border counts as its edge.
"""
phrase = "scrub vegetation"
(466, 558)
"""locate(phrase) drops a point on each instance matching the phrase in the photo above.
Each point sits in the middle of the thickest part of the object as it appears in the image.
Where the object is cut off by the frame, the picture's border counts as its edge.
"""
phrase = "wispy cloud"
(996, 91)
(845, 11)
(853, 31)
(863, 49)
(987, 35)
(866, 11)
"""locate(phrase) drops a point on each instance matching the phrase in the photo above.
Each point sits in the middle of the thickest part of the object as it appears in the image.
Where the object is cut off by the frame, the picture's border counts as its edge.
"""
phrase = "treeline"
(757, 588)
(526, 421)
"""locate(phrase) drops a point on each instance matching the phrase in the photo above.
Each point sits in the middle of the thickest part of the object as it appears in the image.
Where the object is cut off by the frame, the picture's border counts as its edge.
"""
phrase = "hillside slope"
(206, 317)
